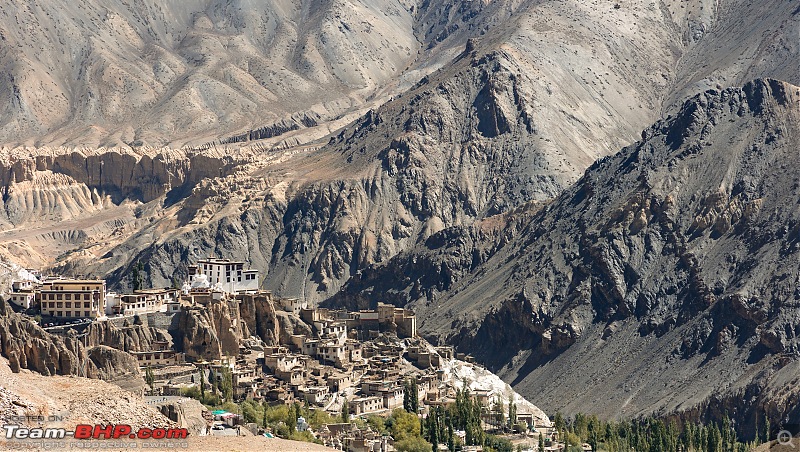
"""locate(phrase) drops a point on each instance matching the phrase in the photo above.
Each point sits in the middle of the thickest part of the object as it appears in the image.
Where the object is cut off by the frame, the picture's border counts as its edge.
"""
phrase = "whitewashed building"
(228, 275)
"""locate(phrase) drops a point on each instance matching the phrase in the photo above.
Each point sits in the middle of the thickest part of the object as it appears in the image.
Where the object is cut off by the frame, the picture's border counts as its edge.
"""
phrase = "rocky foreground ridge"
(666, 280)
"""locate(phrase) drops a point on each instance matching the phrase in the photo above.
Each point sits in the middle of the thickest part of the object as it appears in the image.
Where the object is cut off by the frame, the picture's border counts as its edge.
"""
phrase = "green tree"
(541, 442)
(497, 412)
(377, 423)
(226, 383)
(512, 411)
(137, 276)
(150, 378)
(414, 395)
(407, 396)
(291, 419)
(264, 416)
(404, 425)
(412, 444)
(560, 425)
(451, 441)
(212, 377)
(346, 411)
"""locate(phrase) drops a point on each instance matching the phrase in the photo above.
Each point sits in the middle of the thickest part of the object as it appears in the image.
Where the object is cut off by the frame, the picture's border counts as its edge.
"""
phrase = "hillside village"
(350, 365)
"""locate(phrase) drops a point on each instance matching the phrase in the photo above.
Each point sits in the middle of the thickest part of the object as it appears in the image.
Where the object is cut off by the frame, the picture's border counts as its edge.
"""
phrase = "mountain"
(157, 73)
(431, 148)
(500, 104)
(665, 280)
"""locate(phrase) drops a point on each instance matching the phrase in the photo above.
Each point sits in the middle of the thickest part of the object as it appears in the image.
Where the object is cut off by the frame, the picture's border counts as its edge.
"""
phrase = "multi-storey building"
(23, 293)
(229, 275)
(75, 298)
(141, 301)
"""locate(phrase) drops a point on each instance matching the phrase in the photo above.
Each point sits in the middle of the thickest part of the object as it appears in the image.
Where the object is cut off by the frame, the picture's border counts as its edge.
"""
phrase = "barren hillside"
(665, 280)
(321, 140)
(519, 98)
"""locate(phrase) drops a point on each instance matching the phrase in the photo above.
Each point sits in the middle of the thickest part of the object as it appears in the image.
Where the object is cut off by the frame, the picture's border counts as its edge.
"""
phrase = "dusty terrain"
(88, 401)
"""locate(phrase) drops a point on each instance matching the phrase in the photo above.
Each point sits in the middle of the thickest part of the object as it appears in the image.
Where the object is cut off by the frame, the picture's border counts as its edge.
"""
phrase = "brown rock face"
(126, 338)
(218, 329)
(264, 319)
(116, 366)
(27, 346)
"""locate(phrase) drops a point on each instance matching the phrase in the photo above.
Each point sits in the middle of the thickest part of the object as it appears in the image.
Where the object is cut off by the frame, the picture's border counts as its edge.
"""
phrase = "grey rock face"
(505, 103)
(667, 274)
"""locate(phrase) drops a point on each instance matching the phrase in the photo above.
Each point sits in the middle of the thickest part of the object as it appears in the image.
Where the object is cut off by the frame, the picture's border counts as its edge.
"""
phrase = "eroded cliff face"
(27, 346)
(266, 320)
(128, 338)
(219, 328)
(209, 333)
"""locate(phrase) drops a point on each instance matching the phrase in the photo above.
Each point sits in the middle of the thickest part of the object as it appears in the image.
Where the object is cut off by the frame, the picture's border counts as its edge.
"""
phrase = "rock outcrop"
(210, 332)
(188, 413)
(28, 346)
(131, 338)
(269, 322)
(219, 328)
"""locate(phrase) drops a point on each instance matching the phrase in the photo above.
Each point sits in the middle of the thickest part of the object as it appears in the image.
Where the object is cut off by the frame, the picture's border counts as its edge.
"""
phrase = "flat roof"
(217, 260)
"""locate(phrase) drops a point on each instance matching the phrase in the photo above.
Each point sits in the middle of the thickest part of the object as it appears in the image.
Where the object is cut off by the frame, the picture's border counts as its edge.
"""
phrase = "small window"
(86, 304)
(68, 304)
(68, 296)
(58, 296)
(86, 313)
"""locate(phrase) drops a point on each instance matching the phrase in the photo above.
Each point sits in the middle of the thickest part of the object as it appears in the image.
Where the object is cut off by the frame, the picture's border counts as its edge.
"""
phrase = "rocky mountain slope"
(664, 280)
(115, 73)
(349, 134)
(512, 115)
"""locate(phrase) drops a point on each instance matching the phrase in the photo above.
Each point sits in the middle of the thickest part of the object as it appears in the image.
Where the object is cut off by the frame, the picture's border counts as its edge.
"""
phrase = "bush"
(277, 414)
(499, 444)
(377, 423)
(413, 444)
(250, 413)
(404, 425)
(302, 436)
(316, 418)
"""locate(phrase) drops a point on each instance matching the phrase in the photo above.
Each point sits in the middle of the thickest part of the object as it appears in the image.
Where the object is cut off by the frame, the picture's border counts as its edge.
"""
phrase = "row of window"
(66, 296)
(83, 288)
(67, 304)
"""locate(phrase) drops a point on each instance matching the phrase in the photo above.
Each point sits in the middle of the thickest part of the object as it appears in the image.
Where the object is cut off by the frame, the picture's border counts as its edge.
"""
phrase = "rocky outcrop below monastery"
(28, 346)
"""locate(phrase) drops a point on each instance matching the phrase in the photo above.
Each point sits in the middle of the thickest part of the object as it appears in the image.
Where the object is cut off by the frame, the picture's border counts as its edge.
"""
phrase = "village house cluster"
(359, 362)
